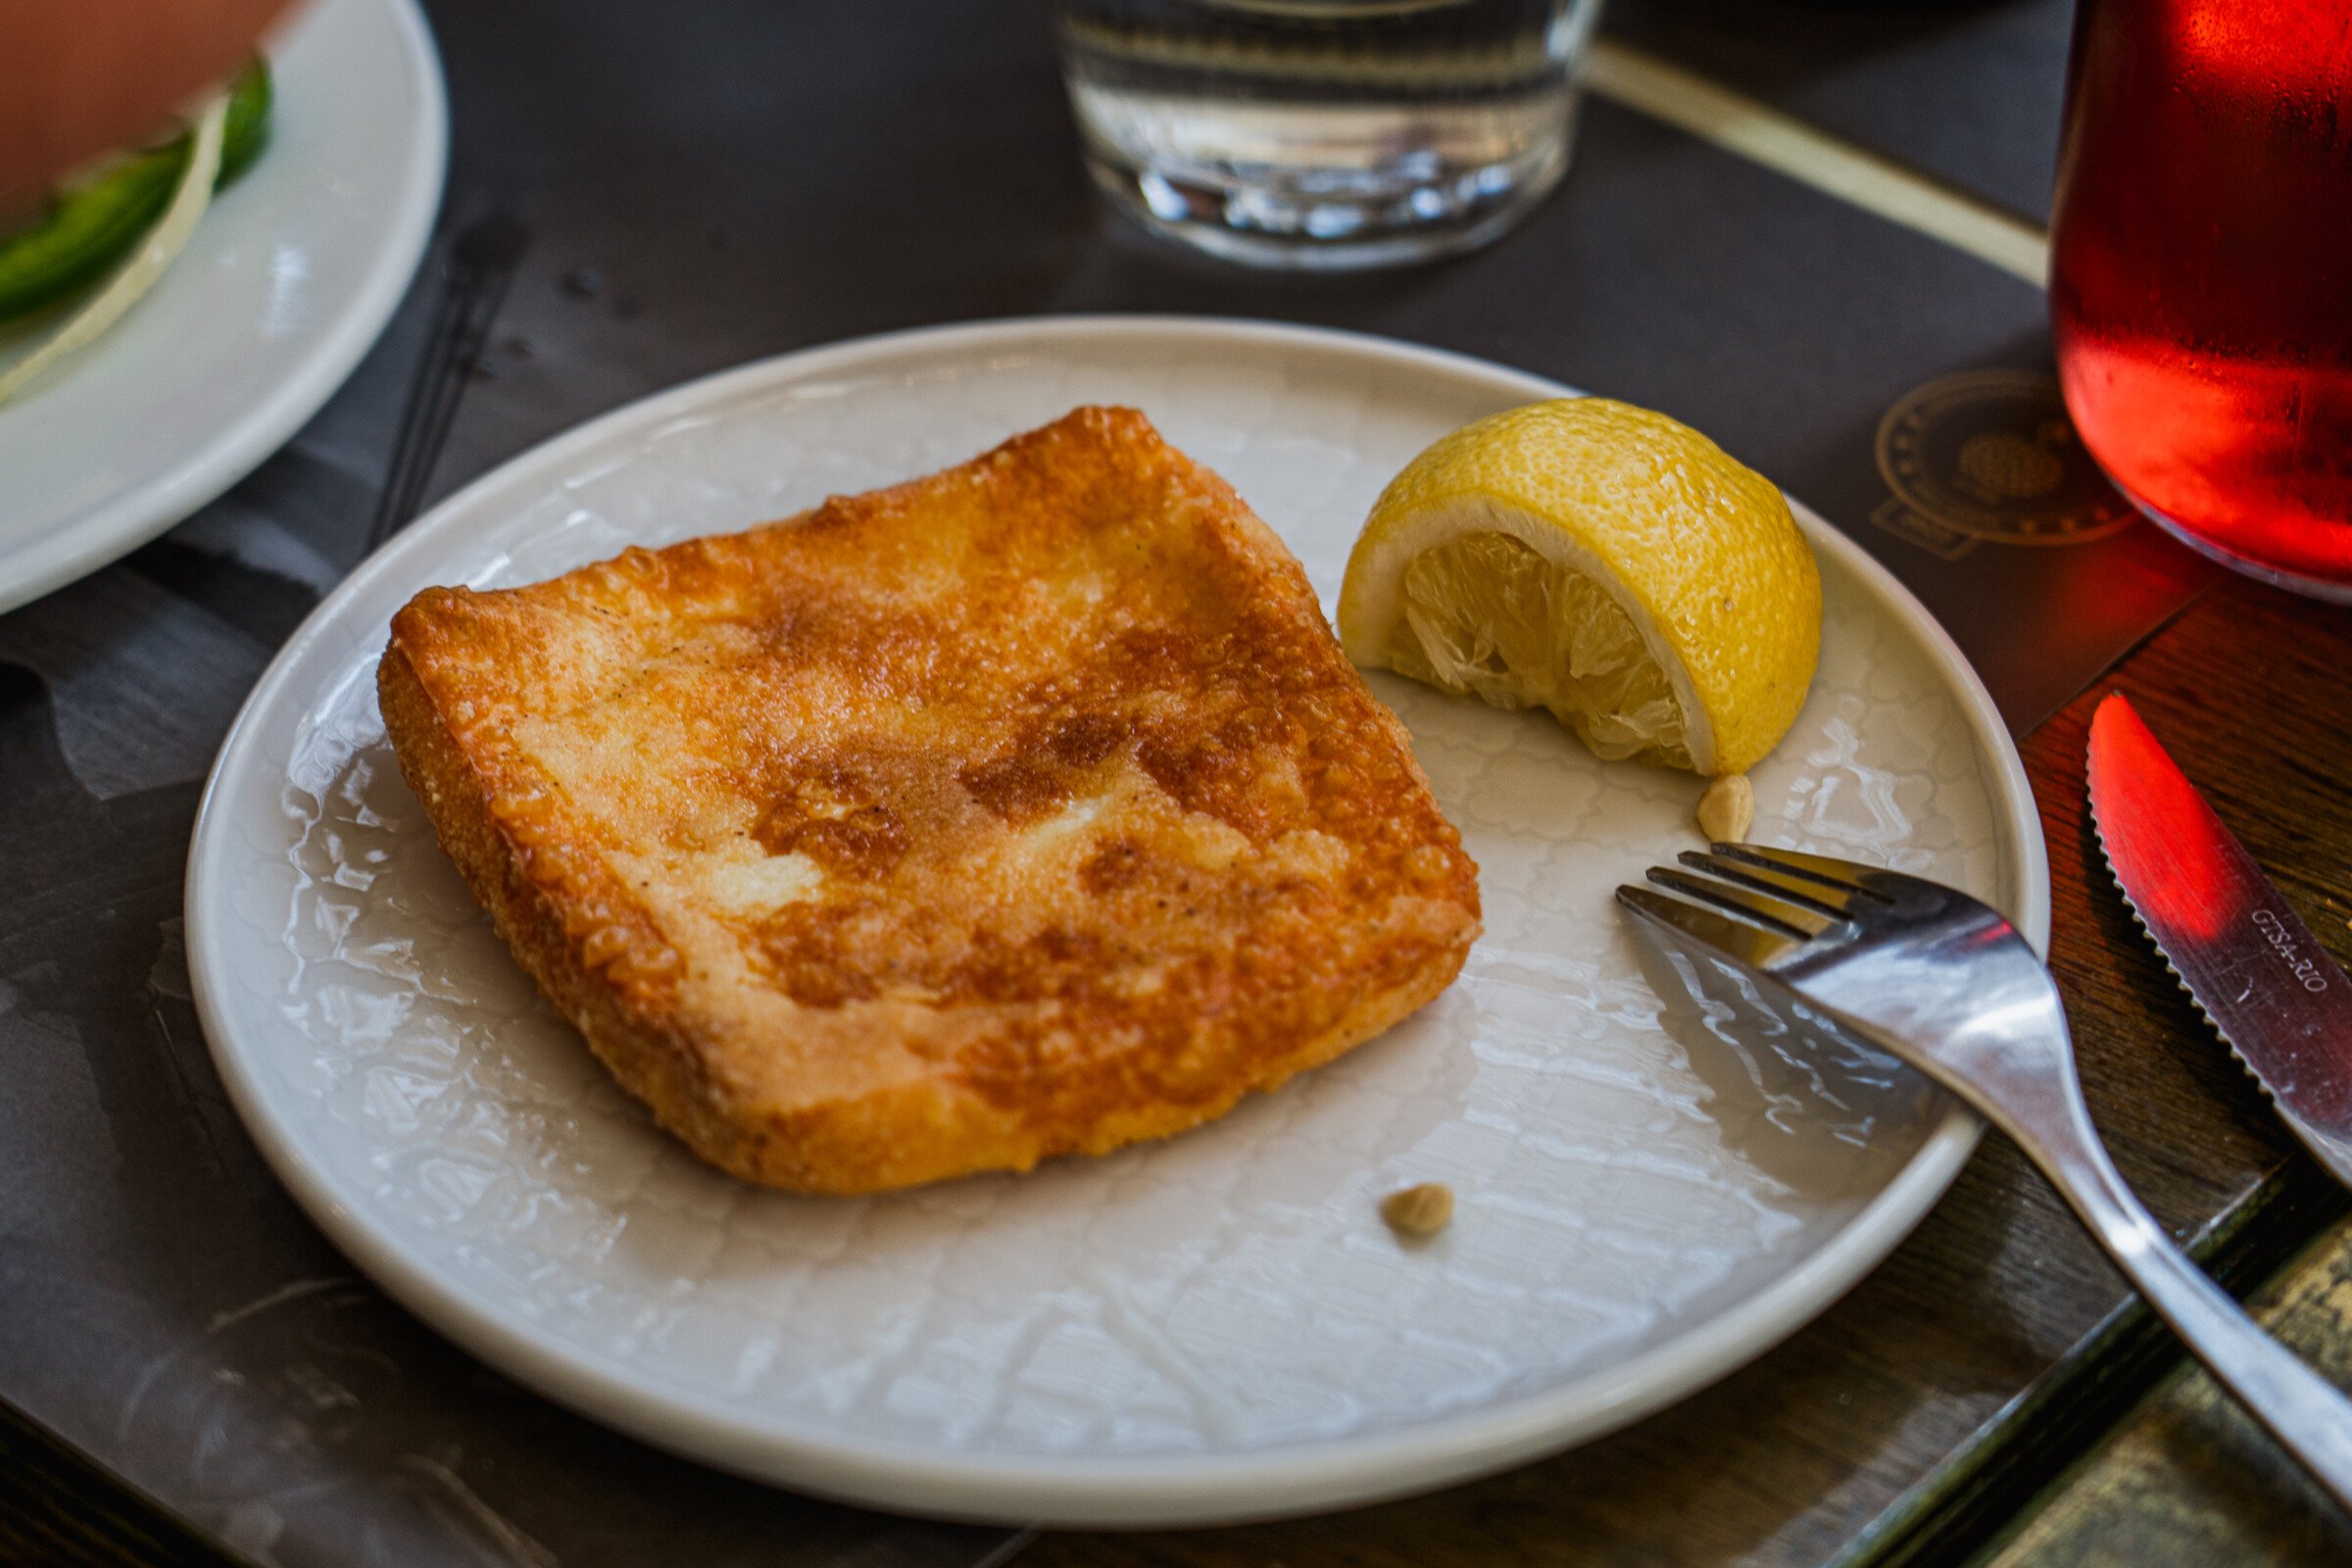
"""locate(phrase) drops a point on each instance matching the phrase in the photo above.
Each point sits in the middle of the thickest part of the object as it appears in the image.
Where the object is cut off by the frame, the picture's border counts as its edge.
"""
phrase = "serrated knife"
(2277, 998)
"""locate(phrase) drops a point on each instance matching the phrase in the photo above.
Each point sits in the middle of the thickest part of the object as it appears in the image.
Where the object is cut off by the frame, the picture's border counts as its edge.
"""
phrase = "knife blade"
(2247, 961)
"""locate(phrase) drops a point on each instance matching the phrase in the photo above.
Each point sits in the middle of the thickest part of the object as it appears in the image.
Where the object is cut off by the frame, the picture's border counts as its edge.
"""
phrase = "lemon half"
(1600, 561)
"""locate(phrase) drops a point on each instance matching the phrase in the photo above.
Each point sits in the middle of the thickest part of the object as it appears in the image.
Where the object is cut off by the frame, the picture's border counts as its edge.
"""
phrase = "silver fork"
(1942, 982)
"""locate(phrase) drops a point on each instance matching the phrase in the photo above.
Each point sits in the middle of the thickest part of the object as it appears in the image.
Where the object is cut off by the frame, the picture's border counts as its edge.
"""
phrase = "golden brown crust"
(1022, 809)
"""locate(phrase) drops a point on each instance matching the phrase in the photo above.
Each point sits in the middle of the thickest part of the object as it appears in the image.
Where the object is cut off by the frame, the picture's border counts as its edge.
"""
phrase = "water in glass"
(1326, 133)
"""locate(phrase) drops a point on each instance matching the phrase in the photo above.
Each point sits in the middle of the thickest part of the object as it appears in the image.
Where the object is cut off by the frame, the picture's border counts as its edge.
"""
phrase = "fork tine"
(1737, 940)
(1844, 875)
(1792, 920)
(1840, 903)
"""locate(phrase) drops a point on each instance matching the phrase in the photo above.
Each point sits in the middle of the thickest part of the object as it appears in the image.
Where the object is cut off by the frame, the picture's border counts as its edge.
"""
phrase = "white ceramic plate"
(288, 280)
(1213, 1327)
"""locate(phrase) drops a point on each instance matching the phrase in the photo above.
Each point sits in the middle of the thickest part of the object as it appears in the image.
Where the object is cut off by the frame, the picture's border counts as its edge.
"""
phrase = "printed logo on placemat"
(1990, 454)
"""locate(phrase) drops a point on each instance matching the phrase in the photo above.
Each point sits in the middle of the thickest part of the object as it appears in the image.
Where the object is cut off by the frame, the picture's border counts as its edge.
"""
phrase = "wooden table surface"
(1790, 1460)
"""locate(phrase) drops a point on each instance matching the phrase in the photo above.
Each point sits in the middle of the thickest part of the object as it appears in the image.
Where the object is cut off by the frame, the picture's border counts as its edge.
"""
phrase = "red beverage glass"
(2201, 274)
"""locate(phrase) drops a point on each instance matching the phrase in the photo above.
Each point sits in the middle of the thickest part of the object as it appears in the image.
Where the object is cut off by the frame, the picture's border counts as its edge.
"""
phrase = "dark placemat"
(1968, 91)
(700, 186)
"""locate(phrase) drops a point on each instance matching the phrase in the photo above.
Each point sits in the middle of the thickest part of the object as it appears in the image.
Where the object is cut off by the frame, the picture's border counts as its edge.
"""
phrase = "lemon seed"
(1727, 810)
(1422, 1211)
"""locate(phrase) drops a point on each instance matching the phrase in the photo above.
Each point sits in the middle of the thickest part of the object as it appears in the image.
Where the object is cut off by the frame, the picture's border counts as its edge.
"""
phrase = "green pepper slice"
(90, 227)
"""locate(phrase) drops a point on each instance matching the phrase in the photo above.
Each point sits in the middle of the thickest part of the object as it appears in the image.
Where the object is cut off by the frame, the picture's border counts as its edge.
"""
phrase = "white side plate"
(1213, 1328)
(287, 282)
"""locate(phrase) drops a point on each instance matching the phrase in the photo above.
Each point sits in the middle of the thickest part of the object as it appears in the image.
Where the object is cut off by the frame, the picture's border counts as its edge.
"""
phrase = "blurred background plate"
(1213, 1327)
(288, 280)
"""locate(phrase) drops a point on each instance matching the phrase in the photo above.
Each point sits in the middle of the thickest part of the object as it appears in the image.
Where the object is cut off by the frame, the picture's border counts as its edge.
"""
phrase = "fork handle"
(2311, 1419)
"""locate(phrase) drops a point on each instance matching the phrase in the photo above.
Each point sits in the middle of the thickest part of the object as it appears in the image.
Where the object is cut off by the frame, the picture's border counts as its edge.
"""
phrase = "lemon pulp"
(1486, 615)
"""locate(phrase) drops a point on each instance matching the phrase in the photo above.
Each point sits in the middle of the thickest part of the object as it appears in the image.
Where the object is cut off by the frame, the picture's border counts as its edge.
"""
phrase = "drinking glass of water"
(1326, 134)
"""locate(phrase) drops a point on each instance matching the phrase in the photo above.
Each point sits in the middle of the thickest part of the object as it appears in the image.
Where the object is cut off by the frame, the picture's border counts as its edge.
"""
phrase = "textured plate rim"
(1065, 1490)
(81, 544)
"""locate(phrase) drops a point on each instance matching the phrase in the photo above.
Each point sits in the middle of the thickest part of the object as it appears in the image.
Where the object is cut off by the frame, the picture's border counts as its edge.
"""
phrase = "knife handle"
(2305, 1413)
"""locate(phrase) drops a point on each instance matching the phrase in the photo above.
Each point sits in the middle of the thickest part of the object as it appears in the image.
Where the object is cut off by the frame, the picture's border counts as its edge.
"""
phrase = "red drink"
(2201, 286)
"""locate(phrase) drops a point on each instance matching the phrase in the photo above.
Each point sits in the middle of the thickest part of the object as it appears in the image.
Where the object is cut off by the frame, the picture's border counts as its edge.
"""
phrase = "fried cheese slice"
(1023, 810)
